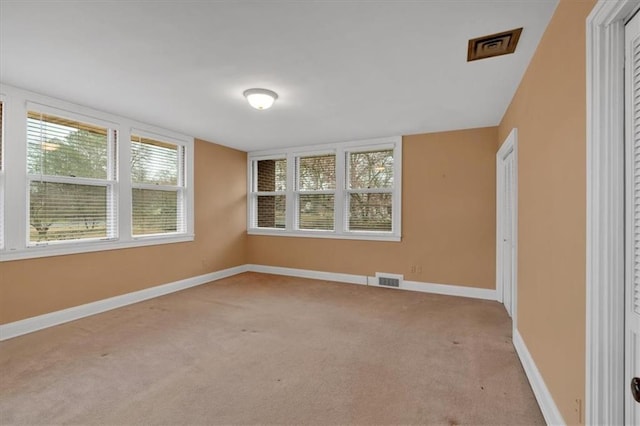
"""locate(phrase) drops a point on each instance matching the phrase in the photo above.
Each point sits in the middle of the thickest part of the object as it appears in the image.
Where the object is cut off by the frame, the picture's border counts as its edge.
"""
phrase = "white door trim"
(510, 144)
(605, 212)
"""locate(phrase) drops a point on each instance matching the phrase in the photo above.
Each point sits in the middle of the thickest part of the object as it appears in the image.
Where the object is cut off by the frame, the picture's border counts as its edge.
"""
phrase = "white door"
(632, 225)
(506, 192)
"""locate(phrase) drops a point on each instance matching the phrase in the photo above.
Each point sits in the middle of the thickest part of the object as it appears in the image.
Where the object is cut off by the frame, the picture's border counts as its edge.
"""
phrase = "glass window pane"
(153, 161)
(154, 211)
(370, 212)
(316, 211)
(61, 211)
(271, 211)
(317, 173)
(272, 175)
(371, 169)
(61, 147)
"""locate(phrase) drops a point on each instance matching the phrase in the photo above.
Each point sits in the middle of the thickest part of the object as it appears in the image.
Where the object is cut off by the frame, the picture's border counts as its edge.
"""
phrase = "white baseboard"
(18, 328)
(307, 273)
(445, 289)
(450, 290)
(548, 407)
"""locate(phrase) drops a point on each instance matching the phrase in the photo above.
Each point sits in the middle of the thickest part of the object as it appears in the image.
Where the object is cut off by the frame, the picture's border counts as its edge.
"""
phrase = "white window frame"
(16, 182)
(298, 192)
(179, 188)
(341, 192)
(110, 182)
(253, 193)
(348, 191)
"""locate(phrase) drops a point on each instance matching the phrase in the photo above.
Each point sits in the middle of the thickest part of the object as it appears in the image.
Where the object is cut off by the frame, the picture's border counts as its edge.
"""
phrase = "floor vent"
(389, 280)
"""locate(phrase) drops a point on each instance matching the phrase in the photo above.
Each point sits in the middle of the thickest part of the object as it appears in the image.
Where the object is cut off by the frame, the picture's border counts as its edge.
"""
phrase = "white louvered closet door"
(632, 232)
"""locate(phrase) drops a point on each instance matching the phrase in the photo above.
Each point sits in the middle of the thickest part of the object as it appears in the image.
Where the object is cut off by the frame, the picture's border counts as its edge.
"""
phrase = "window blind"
(316, 184)
(70, 167)
(370, 191)
(157, 175)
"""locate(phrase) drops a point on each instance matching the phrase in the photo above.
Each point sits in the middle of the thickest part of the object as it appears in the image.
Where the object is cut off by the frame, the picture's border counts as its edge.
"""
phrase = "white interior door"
(632, 225)
(506, 192)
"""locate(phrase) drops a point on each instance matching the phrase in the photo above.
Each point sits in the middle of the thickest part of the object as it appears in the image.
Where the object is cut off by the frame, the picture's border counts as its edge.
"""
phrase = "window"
(75, 180)
(71, 175)
(348, 190)
(315, 192)
(370, 190)
(268, 193)
(157, 186)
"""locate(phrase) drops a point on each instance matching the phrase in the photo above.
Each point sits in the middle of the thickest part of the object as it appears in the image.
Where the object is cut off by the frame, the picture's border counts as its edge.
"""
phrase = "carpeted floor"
(264, 349)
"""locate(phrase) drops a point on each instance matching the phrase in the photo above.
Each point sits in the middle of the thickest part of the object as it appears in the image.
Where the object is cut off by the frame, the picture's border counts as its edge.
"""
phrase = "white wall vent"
(389, 280)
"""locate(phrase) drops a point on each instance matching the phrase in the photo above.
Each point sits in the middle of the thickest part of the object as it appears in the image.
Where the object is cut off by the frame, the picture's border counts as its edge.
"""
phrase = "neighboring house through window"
(348, 190)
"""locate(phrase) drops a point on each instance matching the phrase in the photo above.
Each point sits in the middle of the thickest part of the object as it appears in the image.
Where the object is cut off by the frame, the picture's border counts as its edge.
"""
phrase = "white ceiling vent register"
(388, 280)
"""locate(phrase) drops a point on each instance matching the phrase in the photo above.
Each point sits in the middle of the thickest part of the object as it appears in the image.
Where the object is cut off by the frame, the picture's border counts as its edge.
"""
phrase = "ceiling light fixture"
(260, 98)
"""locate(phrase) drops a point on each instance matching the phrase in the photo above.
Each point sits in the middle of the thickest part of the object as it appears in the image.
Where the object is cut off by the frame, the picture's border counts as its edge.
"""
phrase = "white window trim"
(297, 192)
(110, 182)
(341, 150)
(16, 104)
(180, 188)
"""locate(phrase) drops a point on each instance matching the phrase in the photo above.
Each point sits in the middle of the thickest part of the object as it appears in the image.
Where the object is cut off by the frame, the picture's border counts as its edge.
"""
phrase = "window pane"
(370, 212)
(371, 169)
(61, 211)
(317, 173)
(154, 211)
(61, 147)
(316, 211)
(271, 211)
(153, 161)
(272, 175)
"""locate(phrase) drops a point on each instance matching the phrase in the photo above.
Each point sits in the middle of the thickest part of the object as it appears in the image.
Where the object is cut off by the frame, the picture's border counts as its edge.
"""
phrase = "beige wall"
(37, 286)
(549, 110)
(448, 219)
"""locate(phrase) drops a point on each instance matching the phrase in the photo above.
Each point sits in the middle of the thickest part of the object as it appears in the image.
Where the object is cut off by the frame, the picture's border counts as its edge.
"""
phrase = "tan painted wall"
(37, 286)
(448, 219)
(549, 110)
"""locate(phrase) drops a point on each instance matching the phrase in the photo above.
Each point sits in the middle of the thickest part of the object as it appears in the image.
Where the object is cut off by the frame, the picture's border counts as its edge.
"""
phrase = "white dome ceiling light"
(260, 98)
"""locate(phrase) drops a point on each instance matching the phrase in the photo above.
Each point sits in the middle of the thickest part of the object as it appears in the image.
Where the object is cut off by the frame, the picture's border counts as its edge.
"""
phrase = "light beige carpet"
(273, 350)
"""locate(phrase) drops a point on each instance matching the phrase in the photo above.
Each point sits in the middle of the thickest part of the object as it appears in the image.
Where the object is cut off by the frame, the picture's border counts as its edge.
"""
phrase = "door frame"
(605, 382)
(509, 145)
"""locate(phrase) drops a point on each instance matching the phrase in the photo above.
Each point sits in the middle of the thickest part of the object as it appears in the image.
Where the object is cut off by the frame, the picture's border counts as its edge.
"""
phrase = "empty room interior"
(317, 212)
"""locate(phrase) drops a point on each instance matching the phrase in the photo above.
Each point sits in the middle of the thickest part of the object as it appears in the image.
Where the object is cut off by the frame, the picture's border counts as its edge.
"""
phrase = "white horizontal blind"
(71, 175)
(315, 192)
(157, 174)
(369, 194)
(635, 180)
(268, 192)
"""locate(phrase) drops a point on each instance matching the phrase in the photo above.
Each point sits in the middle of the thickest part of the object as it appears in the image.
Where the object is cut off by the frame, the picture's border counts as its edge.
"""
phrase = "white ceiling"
(344, 70)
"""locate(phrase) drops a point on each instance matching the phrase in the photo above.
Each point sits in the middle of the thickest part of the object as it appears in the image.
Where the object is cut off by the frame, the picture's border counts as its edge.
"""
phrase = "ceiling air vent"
(493, 45)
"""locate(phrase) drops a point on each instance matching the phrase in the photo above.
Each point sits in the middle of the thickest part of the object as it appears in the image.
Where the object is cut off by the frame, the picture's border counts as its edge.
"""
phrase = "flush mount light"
(260, 98)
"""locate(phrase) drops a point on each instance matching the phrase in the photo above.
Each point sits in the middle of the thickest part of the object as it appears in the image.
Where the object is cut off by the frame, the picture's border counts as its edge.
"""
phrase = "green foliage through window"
(157, 193)
(63, 157)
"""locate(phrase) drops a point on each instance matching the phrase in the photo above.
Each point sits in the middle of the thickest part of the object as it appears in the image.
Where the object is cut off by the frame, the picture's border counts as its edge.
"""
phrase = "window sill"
(62, 249)
(366, 236)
